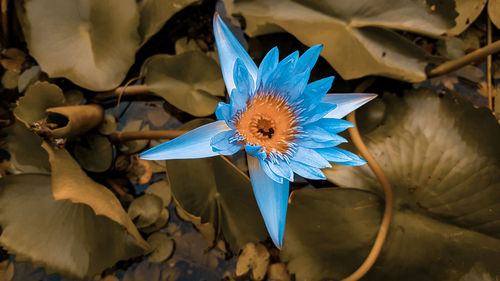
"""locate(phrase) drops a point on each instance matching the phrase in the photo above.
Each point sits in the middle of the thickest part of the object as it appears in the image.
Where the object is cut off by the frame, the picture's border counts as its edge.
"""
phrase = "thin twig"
(146, 135)
(455, 64)
(488, 68)
(386, 219)
(5, 20)
(132, 90)
(120, 94)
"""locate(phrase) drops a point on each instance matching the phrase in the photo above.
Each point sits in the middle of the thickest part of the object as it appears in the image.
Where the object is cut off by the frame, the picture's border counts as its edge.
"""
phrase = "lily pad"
(62, 236)
(159, 223)
(108, 125)
(162, 190)
(468, 11)
(36, 100)
(162, 246)
(192, 88)
(92, 43)
(356, 34)
(69, 181)
(10, 79)
(154, 14)
(28, 77)
(145, 210)
(95, 153)
(330, 231)
(254, 257)
(494, 12)
(215, 190)
(133, 146)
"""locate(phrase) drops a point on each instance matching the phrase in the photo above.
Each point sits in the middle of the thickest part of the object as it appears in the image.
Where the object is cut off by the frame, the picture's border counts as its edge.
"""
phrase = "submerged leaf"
(192, 87)
(60, 235)
(145, 210)
(95, 154)
(92, 43)
(162, 246)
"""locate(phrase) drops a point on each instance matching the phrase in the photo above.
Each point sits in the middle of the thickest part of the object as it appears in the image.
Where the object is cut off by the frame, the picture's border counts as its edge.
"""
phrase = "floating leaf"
(61, 236)
(108, 125)
(159, 223)
(154, 14)
(215, 190)
(28, 77)
(254, 257)
(192, 87)
(24, 147)
(74, 120)
(162, 190)
(69, 181)
(10, 79)
(468, 11)
(330, 231)
(13, 59)
(206, 229)
(95, 154)
(145, 210)
(354, 33)
(36, 100)
(91, 43)
(277, 272)
(162, 246)
(494, 12)
(74, 97)
(133, 146)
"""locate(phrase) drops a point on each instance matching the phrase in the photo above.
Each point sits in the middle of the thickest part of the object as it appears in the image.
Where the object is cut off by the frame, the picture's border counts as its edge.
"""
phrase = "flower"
(286, 125)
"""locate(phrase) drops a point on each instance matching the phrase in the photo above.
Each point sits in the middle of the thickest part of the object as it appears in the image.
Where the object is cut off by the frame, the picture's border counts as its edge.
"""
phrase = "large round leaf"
(494, 12)
(59, 235)
(189, 81)
(215, 190)
(330, 231)
(356, 36)
(90, 42)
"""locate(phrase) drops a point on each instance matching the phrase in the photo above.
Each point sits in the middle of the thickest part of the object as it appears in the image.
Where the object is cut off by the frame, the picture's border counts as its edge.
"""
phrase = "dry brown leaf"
(74, 120)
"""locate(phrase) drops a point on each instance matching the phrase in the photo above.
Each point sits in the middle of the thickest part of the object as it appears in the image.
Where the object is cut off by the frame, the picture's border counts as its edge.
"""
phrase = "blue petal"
(316, 133)
(308, 58)
(223, 111)
(317, 113)
(297, 84)
(272, 198)
(223, 144)
(346, 103)
(229, 50)
(242, 79)
(310, 143)
(280, 79)
(282, 169)
(238, 101)
(255, 151)
(265, 167)
(334, 154)
(310, 157)
(193, 144)
(267, 66)
(355, 159)
(316, 91)
(333, 125)
(306, 171)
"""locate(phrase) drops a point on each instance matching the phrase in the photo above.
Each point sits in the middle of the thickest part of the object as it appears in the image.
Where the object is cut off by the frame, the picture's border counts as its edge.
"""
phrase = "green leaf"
(215, 190)
(494, 12)
(254, 257)
(61, 236)
(162, 246)
(154, 14)
(191, 87)
(356, 34)
(162, 190)
(95, 153)
(145, 210)
(28, 77)
(39, 96)
(468, 11)
(330, 231)
(133, 146)
(91, 43)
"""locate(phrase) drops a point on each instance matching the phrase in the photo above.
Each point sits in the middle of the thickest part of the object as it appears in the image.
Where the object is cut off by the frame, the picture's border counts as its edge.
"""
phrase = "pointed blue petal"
(223, 111)
(306, 171)
(282, 169)
(238, 101)
(255, 151)
(229, 50)
(310, 143)
(272, 198)
(280, 79)
(313, 132)
(333, 154)
(317, 113)
(242, 79)
(315, 92)
(264, 164)
(333, 125)
(193, 144)
(355, 159)
(346, 103)
(308, 58)
(297, 84)
(267, 66)
(223, 144)
(310, 157)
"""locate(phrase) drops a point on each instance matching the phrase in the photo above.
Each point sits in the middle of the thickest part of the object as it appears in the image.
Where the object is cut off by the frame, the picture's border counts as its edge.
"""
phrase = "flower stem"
(4, 6)
(386, 219)
(455, 64)
(149, 135)
(132, 90)
(488, 67)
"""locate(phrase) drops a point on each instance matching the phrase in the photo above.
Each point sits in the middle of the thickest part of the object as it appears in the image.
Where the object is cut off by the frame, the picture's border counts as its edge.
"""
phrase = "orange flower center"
(269, 122)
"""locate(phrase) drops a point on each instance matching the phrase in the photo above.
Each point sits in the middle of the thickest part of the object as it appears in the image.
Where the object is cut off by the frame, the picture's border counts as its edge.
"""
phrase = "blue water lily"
(285, 125)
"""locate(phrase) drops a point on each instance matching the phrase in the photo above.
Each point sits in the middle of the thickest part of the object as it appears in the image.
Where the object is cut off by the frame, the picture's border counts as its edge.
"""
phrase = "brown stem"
(148, 135)
(488, 68)
(132, 90)
(386, 219)
(5, 20)
(455, 64)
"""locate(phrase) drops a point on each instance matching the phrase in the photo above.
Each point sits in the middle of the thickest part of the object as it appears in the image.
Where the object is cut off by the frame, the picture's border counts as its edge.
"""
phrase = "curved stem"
(455, 64)
(146, 135)
(386, 219)
(131, 90)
